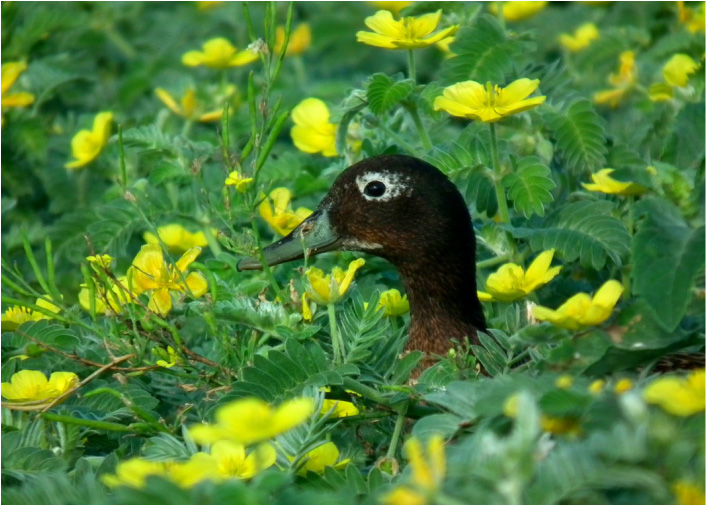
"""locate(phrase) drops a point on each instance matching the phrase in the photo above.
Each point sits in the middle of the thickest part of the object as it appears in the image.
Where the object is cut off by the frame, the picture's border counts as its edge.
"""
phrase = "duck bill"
(311, 237)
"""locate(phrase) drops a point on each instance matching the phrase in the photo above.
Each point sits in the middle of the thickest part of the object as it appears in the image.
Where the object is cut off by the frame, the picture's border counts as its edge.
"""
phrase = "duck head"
(408, 212)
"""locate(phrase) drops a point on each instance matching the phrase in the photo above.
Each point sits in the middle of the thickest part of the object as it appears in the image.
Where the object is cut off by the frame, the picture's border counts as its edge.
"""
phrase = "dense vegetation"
(144, 155)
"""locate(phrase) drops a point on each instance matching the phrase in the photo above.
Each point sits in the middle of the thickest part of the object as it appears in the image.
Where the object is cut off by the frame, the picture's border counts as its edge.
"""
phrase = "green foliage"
(530, 412)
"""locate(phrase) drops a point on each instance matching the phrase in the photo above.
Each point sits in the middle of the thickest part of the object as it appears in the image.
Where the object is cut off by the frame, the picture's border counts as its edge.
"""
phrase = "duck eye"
(374, 189)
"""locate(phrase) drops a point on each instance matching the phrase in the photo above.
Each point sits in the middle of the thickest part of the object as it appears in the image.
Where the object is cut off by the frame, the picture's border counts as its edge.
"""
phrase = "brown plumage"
(406, 211)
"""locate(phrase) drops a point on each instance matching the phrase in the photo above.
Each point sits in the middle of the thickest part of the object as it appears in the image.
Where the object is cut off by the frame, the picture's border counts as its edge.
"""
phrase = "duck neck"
(443, 303)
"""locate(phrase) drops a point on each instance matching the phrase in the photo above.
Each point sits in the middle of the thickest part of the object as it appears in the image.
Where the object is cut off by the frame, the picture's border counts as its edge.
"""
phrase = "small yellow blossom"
(101, 261)
(239, 181)
(511, 282)
(405, 496)
(596, 386)
(150, 272)
(687, 492)
(205, 5)
(88, 144)
(341, 408)
(581, 310)
(660, 92)
(177, 238)
(306, 310)
(277, 211)
(300, 39)
(313, 133)
(218, 53)
(582, 37)
(406, 33)
(10, 72)
(622, 81)
(232, 461)
(251, 420)
(328, 289)
(678, 396)
(323, 456)
(551, 424)
(489, 103)
(443, 46)
(169, 357)
(394, 7)
(678, 68)
(134, 472)
(117, 294)
(27, 385)
(518, 11)
(393, 304)
(693, 19)
(188, 106)
(565, 381)
(17, 315)
(604, 183)
(623, 385)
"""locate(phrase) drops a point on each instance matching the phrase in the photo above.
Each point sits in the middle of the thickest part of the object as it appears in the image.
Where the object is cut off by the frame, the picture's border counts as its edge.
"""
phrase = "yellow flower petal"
(678, 396)
(197, 284)
(168, 100)
(678, 68)
(187, 258)
(160, 302)
(10, 72)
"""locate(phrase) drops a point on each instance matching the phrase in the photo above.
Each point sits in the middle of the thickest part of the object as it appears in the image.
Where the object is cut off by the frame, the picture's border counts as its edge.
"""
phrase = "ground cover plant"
(147, 147)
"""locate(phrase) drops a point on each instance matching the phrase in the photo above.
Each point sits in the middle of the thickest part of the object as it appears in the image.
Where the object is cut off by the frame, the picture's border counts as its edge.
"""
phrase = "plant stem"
(335, 337)
(261, 256)
(396, 432)
(424, 136)
(493, 261)
(498, 175)
(626, 271)
(411, 65)
(398, 140)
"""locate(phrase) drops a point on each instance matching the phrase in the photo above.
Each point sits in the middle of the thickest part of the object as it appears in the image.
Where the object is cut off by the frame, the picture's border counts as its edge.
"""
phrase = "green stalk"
(33, 262)
(493, 261)
(399, 421)
(411, 65)
(335, 338)
(390, 133)
(121, 152)
(92, 424)
(51, 275)
(626, 271)
(498, 176)
(261, 256)
(424, 136)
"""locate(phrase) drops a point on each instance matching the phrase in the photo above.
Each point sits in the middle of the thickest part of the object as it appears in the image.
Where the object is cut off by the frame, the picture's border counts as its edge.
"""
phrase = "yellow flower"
(341, 408)
(218, 53)
(277, 211)
(622, 81)
(313, 133)
(29, 385)
(565, 381)
(427, 472)
(693, 19)
(17, 315)
(10, 72)
(406, 33)
(404, 495)
(623, 385)
(394, 7)
(232, 461)
(300, 39)
(473, 100)
(323, 456)
(596, 386)
(678, 396)
(551, 424)
(177, 238)
(114, 293)
(306, 310)
(88, 144)
(660, 92)
(582, 37)
(511, 282)
(518, 11)
(241, 183)
(677, 69)
(169, 357)
(328, 289)
(688, 493)
(134, 472)
(604, 183)
(250, 420)
(102, 261)
(443, 46)
(393, 304)
(205, 5)
(581, 310)
(188, 106)
(150, 272)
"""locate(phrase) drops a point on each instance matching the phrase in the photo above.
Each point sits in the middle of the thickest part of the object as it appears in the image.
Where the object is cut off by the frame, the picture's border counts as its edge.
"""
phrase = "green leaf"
(529, 186)
(584, 230)
(483, 53)
(580, 137)
(384, 93)
(667, 255)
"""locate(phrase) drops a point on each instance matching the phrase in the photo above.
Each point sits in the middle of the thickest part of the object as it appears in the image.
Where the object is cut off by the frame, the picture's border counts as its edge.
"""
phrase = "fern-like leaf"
(529, 186)
(579, 135)
(384, 93)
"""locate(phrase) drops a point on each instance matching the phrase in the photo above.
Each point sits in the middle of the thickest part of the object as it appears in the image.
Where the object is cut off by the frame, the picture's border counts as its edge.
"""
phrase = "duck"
(408, 212)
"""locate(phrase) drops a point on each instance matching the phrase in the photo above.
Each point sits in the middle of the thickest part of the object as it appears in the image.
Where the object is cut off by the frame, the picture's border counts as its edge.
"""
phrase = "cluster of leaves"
(246, 336)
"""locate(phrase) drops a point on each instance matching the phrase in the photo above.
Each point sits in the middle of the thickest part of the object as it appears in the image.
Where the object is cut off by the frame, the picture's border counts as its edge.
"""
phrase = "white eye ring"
(383, 186)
